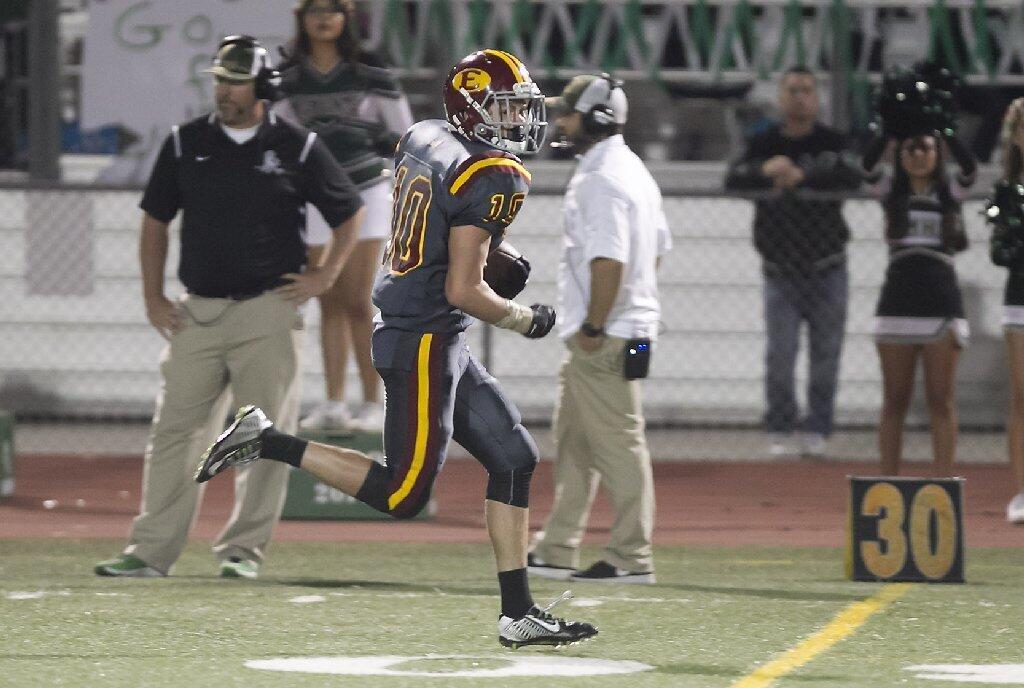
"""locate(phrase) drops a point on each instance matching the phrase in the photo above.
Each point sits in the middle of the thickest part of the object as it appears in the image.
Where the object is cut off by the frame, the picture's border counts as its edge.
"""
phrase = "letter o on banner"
(905, 529)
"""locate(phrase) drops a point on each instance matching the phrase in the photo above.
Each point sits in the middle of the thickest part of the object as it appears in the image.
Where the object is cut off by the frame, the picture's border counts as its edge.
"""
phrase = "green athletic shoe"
(235, 567)
(127, 566)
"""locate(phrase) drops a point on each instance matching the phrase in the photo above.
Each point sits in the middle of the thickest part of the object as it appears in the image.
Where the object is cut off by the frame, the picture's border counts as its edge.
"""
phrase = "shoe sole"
(231, 572)
(145, 572)
(515, 644)
(548, 572)
(642, 579)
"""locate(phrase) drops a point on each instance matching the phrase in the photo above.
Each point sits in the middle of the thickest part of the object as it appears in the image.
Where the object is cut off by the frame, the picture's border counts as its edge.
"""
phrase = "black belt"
(242, 295)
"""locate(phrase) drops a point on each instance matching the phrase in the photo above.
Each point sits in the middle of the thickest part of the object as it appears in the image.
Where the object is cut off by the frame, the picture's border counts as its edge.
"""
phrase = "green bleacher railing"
(734, 39)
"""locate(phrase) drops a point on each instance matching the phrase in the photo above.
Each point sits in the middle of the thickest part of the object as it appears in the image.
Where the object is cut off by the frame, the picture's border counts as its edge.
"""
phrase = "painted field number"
(905, 529)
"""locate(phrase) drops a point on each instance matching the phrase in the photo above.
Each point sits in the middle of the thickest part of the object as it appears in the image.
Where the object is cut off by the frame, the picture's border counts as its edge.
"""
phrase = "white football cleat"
(539, 627)
(238, 445)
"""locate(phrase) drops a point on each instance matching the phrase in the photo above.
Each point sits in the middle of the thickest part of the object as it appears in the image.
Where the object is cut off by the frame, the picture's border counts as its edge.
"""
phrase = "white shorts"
(1013, 317)
(376, 221)
(914, 330)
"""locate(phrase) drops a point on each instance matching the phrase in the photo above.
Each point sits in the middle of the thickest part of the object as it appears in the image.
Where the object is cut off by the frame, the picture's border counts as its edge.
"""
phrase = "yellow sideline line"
(848, 621)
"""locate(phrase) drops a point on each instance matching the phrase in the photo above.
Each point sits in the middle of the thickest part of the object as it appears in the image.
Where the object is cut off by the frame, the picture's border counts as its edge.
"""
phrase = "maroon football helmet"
(490, 97)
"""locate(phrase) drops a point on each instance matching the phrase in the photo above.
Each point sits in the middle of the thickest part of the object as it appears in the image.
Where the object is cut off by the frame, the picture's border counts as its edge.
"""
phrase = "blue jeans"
(821, 301)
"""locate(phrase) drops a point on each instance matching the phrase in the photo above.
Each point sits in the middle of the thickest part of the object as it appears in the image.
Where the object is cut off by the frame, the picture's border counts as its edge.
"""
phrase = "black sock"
(515, 593)
(279, 446)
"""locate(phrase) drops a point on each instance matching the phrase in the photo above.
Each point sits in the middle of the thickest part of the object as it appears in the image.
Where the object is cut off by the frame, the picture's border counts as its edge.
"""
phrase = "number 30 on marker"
(905, 529)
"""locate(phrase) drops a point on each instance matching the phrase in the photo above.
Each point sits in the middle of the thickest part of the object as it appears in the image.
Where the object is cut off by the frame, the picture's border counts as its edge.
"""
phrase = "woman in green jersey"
(355, 105)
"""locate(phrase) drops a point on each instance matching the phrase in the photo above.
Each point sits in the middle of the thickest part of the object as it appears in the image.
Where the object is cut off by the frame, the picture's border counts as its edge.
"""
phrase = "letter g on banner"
(136, 36)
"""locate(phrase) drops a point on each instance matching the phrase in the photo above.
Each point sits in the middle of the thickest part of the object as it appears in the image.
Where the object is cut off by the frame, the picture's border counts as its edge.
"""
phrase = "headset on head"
(600, 120)
(267, 78)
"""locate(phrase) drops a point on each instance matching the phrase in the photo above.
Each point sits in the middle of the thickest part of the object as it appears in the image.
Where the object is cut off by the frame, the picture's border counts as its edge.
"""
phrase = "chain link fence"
(76, 344)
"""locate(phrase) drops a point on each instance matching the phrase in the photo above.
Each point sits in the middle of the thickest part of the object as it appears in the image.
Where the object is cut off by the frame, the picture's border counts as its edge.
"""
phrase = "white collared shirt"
(613, 210)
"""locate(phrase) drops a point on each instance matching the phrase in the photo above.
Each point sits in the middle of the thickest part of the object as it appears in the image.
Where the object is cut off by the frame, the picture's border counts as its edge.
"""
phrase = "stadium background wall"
(77, 345)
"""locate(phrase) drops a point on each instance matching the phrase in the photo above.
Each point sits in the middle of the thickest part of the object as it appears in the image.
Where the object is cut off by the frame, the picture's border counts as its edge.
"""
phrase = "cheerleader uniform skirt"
(920, 301)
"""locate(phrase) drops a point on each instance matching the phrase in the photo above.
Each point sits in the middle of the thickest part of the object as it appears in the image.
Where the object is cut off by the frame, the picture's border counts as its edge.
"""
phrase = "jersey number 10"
(408, 221)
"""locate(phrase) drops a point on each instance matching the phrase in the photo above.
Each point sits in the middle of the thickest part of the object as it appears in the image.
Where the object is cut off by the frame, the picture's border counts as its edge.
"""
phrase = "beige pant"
(599, 432)
(250, 349)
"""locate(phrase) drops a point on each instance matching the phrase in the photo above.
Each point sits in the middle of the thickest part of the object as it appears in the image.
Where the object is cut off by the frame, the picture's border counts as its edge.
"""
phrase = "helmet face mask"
(512, 121)
(489, 97)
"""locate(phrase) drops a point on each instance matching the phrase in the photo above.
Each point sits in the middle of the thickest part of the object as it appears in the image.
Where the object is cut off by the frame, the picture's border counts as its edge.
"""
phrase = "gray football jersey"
(442, 180)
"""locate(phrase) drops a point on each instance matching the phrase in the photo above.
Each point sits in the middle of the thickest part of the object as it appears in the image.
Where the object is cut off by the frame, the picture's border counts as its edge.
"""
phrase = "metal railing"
(76, 342)
(706, 39)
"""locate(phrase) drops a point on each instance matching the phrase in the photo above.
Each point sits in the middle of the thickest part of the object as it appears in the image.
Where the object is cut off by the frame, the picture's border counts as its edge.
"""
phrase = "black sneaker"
(603, 572)
(239, 444)
(539, 567)
(539, 627)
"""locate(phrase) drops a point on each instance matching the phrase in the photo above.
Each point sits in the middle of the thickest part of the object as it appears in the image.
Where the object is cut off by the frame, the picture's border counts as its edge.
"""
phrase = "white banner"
(144, 59)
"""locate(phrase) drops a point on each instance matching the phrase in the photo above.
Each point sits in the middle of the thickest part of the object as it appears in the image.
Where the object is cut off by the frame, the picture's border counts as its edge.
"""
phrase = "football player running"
(458, 185)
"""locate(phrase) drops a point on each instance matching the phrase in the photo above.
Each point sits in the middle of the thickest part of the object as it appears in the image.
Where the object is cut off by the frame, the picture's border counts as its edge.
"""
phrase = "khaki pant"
(599, 433)
(250, 349)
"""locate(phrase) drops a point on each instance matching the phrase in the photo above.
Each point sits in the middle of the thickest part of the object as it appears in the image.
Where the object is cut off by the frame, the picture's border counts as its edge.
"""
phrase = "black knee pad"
(374, 490)
(511, 487)
(510, 484)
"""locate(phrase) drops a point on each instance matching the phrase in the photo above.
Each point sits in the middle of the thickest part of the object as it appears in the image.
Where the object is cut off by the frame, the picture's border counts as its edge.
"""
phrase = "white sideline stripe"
(35, 594)
(971, 673)
(844, 624)
(390, 665)
(598, 598)
(308, 599)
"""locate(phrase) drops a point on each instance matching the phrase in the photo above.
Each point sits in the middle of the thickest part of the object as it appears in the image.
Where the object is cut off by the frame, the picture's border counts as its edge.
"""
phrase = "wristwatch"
(589, 330)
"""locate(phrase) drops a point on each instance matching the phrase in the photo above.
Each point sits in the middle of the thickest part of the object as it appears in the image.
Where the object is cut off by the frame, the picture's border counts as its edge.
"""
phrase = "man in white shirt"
(615, 234)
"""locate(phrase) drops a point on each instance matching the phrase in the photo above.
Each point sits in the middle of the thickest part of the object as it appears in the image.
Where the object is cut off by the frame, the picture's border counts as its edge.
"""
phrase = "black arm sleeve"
(162, 198)
(329, 187)
(834, 167)
(745, 173)
(833, 171)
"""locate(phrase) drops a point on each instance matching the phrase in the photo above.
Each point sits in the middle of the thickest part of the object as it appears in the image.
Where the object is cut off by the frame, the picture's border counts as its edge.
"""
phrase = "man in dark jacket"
(802, 245)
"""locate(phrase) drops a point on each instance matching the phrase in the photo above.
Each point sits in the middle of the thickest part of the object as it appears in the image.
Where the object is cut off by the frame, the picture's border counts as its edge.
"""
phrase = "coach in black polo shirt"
(241, 178)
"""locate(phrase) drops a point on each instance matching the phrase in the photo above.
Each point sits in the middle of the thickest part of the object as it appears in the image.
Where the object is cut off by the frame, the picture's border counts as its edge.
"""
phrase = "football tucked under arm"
(506, 271)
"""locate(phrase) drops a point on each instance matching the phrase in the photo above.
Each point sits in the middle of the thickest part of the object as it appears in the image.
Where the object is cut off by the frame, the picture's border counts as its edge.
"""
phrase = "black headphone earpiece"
(600, 120)
(267, 78)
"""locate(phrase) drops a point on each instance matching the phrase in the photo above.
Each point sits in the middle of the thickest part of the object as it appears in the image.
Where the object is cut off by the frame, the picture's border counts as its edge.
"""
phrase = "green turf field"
(716, 615)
